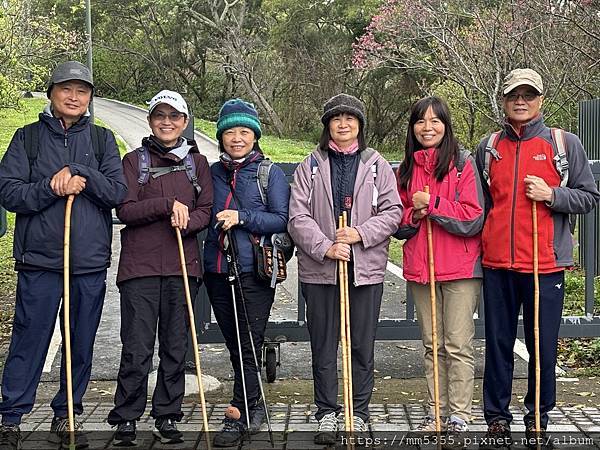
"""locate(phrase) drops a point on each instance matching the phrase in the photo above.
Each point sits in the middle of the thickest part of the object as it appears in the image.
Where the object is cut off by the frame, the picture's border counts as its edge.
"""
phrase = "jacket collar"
(528, 130)
(56, 125)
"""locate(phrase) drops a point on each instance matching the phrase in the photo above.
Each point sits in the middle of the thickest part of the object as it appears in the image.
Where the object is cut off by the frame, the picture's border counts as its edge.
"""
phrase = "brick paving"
(293, 424)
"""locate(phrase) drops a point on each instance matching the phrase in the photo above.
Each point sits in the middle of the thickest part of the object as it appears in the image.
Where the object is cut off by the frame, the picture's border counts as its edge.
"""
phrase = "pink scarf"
(348, 151)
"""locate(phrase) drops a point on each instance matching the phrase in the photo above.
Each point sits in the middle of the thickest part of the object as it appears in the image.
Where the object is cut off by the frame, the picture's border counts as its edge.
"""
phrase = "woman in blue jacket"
(239, 205)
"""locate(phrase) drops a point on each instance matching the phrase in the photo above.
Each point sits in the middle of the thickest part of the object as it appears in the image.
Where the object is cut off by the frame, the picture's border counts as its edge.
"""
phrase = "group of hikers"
(479, 208)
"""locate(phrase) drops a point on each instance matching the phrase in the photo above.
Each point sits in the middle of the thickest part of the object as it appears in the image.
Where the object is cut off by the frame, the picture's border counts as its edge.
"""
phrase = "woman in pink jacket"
(454, 205)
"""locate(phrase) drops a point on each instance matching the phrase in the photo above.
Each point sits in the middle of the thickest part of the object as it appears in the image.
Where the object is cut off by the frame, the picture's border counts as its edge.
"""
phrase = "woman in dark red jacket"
(169, 187)
(454, 205)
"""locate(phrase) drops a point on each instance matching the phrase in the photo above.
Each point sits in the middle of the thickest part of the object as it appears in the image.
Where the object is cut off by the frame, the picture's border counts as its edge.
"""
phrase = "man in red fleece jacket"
(520, 168)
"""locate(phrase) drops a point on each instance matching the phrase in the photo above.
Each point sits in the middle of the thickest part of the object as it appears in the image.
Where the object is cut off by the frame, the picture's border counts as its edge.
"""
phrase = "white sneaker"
(327, 430)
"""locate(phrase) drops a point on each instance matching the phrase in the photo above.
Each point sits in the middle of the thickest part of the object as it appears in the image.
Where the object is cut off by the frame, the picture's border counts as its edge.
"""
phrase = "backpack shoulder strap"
(190, 171)
(31, 140)
(561, 162)
(98, 141)
(143, 165)
(490, 150)
(314, 165)
(463, 155)
(262, 178)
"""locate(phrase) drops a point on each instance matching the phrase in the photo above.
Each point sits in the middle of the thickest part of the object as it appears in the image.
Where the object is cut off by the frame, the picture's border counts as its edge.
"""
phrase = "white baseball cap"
(171, 98)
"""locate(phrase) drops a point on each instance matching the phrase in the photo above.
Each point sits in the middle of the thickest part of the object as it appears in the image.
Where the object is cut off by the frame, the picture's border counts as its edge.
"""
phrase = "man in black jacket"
(60, 155)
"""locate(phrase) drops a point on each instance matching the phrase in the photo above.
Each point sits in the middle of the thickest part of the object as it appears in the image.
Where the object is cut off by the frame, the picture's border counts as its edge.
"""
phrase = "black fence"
(407, 328)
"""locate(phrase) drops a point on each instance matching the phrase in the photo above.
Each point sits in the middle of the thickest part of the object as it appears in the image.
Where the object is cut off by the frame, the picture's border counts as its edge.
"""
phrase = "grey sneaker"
(10, 437)
(428, 425)
(59, 433)
(327, 430)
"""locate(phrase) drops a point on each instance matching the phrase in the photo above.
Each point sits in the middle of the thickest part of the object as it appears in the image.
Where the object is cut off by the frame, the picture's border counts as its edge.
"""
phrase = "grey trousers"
(323, 320)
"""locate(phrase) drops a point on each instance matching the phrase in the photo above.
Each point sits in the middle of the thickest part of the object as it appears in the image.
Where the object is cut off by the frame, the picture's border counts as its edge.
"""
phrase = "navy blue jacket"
(39, 231)
(255, 217)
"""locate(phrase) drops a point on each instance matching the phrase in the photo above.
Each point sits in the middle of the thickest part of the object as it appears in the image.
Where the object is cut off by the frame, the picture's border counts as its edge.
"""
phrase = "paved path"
(293, 425)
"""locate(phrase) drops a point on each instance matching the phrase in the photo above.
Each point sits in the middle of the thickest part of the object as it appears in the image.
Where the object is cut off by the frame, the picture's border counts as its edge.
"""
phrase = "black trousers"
(146, 302)
(323, 321)
(258, 299)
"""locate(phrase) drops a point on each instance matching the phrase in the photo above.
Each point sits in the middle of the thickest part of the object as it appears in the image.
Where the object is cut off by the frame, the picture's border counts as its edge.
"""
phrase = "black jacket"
(39, 231)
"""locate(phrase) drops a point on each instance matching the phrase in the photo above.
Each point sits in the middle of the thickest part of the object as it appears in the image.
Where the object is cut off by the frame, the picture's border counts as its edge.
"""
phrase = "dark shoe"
(10, 437)
(232, 433)
(59, 433)
(532, 437)
(165, 430)
(455, 436)
(497, 436)
(125, 434)
(258, 416)
(327, 430)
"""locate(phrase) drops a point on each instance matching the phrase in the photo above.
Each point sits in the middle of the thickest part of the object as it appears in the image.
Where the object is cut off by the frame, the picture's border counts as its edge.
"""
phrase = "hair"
(326, 135)
(448, 149)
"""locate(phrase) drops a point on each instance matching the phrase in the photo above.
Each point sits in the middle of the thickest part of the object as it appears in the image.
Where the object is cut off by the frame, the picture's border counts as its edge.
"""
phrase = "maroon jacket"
(148, 241)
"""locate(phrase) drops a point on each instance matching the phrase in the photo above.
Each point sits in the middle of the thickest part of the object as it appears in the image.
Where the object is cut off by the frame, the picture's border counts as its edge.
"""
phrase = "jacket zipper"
(513, 211)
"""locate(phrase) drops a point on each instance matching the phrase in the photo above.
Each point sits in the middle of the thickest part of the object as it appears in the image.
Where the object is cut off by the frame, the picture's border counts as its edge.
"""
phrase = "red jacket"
(508, 232)
(456, 213)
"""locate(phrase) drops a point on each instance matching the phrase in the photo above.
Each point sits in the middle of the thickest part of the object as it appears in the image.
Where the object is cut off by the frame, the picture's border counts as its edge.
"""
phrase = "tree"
(30, 44)
(473, 44)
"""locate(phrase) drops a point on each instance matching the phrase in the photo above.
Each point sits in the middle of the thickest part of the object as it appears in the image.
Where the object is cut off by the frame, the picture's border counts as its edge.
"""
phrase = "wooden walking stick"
(67, 320)
(536, 319)
(348, 335)
(436, 385)
(188, 300)
(347, 388)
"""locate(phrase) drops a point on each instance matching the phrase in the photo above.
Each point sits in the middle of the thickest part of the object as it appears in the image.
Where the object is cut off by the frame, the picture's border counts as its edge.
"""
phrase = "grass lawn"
(10, 120)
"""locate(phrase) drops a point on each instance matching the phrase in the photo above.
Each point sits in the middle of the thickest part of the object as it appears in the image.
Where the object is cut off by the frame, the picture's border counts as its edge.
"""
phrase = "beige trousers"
(456, 302)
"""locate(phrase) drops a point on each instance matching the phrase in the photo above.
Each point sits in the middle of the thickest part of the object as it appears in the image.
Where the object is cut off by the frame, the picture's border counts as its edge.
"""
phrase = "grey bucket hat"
(70, 70)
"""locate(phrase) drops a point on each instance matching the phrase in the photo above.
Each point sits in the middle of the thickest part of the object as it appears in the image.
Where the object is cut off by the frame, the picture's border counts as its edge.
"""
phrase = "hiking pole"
(348, 335)
(231, 263)
(188, 300)
(536, 320)
(343, 276)
(236, 273)
(67, 320)
(436, 386)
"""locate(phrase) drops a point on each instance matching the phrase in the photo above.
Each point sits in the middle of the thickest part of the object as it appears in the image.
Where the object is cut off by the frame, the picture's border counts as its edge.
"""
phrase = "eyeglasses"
(527, 96)
(173, 116)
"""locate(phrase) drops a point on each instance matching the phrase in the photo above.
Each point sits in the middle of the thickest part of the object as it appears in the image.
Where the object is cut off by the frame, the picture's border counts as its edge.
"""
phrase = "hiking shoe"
(532, 437)
(327, 430)
(497, 436)
(428, 425)
(258, 416)
(456, 432)
(165, 430)
(359, 425)
(125, 434)
(10, 437)
(59, 433)
(232, 433)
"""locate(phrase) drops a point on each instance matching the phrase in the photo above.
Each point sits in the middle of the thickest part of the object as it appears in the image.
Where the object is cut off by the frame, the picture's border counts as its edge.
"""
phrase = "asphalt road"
(131, 124)
(396, 359)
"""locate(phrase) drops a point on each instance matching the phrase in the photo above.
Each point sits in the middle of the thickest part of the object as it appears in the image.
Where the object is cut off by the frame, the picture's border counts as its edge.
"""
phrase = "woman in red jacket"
(454, 205)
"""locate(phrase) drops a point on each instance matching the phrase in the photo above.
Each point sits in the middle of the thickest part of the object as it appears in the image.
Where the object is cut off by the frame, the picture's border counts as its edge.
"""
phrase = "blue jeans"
(39, 295)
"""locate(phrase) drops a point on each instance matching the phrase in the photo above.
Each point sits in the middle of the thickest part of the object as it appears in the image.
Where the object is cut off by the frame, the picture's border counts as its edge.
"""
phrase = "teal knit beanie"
(238, 113)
